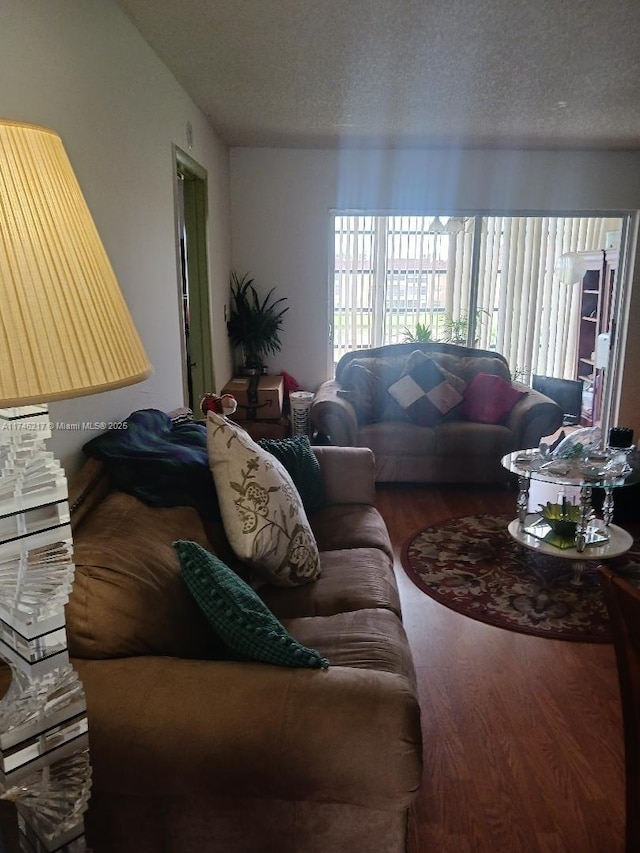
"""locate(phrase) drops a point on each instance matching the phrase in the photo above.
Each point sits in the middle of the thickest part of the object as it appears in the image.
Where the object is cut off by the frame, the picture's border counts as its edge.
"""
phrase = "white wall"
(280, 203)
(81, 68)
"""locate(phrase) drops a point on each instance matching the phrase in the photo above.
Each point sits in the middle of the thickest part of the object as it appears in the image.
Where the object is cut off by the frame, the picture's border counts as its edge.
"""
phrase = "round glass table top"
(611, 468)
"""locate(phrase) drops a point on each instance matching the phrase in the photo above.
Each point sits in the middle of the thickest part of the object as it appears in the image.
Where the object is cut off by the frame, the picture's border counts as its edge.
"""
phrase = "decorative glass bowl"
(562, 518)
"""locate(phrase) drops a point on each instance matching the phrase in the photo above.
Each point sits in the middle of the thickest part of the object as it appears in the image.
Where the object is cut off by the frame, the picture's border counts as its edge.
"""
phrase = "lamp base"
(44, 749)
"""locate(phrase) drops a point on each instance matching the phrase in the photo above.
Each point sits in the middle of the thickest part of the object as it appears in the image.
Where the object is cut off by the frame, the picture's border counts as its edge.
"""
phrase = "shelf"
(596, 292)
(590, 319)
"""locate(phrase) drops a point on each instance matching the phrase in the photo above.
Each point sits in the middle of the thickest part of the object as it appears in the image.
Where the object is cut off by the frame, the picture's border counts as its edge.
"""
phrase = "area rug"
(473, 566)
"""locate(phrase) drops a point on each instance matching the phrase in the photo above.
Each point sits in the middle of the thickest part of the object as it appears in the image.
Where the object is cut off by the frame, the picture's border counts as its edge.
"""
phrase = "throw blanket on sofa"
(158, 461)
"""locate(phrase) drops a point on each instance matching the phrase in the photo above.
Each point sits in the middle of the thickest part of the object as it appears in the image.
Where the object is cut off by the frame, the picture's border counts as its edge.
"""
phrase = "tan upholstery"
(453, 450)
(192, 753)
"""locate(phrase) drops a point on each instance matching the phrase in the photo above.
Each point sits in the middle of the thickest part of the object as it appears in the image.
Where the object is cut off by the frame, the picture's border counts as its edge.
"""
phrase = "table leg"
(585, 515)
(607, 505)
(522, 502)
(578, 567)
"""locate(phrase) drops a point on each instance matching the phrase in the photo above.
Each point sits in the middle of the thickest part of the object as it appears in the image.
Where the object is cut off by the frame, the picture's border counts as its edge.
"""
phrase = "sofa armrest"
(348, 474)
(174, 728)
(334, 416)
(532, 418)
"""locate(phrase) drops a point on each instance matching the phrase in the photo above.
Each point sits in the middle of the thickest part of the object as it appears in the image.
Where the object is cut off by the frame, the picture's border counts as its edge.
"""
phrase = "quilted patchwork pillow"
(425, 391)
(488, 399)
(262, 512)
(238, 616)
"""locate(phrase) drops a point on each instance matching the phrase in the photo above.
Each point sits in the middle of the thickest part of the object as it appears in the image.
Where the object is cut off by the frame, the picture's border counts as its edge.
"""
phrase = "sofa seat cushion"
(395, 438)
(462, 438)
(361, 639)
(347, 526)
(358, 579)
(128, 596)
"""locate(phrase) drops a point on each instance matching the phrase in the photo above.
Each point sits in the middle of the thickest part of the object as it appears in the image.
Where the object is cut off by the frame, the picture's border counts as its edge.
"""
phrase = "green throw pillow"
(302, 465)
(237, 614)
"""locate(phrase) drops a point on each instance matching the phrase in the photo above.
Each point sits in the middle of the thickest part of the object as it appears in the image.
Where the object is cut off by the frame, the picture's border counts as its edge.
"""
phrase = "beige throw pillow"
(261, 509)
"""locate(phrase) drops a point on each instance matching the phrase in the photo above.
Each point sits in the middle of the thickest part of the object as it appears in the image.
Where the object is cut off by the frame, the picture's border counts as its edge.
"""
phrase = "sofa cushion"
(366, 392)
(128, 597)
(398, 439)
(388, 369)
(424, 391)
(342, 526)
(352, 579)
(237, 614)
(360, 639)
(302, 464)
(467, 366)
(467, 440)
(261, 509)
(488, 399)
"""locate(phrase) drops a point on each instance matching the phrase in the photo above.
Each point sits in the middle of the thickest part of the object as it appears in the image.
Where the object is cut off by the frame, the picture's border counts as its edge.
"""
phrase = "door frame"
(191, 212)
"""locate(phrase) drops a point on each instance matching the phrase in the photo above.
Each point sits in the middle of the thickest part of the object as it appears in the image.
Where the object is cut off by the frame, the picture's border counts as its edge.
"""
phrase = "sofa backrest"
(389, 360)
(128, 596)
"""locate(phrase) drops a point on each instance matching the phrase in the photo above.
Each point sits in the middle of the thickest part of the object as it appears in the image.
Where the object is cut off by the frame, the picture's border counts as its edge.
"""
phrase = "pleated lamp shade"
(65, 329)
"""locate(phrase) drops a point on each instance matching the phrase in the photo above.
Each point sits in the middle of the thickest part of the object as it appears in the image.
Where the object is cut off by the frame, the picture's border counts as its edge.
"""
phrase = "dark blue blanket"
(162, 463)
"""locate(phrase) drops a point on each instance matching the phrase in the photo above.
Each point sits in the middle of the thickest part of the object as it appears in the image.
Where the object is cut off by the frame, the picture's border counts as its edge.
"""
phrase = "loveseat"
(431, 412)
(193, 750)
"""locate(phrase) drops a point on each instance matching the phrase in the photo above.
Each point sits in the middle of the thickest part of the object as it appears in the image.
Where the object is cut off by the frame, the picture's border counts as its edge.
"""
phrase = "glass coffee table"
(603, 545)
(595, 539)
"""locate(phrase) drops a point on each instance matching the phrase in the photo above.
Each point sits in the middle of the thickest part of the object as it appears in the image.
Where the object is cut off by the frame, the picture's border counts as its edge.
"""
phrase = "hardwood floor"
(523, 747)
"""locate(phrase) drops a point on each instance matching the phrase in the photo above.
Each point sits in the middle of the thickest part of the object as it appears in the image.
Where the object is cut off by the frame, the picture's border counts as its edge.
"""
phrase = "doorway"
(193, 279)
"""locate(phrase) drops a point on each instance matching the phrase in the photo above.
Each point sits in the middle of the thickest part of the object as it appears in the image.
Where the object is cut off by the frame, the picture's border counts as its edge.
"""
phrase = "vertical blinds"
(397, 275)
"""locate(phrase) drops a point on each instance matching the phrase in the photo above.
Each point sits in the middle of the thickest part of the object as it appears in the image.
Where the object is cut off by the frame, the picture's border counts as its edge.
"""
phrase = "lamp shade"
(65, 329)
(569, 268)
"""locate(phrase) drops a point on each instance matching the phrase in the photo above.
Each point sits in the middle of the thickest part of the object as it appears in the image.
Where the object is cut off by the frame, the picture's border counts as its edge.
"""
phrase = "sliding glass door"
(486, 281)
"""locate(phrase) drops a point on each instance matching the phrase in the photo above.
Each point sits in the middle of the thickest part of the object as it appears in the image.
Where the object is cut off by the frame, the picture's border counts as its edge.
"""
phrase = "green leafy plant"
(254, 326)
(422, 333)
(519, 374)
(455, 329)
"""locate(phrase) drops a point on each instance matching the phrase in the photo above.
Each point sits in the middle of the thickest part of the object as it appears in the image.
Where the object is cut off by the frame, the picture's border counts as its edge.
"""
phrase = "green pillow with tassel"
(237, 614)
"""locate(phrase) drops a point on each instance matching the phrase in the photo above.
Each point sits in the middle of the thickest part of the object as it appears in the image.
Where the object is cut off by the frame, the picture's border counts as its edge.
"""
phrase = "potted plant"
(422, 334)
(254, 326)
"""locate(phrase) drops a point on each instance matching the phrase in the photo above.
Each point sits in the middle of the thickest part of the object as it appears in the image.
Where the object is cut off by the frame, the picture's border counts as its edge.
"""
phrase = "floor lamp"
(65, 331)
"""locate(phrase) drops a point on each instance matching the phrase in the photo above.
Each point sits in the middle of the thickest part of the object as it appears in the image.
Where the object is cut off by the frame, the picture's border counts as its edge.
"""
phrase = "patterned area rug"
(472, 565)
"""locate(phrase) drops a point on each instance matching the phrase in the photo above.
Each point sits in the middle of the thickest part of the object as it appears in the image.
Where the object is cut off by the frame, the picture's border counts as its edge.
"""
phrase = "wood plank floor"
(523, 746)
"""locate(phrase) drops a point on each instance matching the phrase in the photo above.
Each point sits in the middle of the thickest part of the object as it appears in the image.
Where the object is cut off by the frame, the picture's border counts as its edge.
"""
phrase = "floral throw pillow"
(261, 509)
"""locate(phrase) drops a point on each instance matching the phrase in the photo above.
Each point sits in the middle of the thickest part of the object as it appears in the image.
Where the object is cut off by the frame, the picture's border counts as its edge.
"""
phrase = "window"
(399, 278)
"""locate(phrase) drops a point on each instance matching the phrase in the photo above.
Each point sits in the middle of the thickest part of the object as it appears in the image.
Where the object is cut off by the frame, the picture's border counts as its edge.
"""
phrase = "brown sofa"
(356, 409)
(191, 753)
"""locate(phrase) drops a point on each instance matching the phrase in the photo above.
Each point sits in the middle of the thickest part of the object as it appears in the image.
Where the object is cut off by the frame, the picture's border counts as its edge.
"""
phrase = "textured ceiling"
(514, 73)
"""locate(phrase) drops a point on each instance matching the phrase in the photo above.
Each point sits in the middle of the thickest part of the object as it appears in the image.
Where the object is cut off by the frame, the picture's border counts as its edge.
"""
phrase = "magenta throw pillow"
(488, 399)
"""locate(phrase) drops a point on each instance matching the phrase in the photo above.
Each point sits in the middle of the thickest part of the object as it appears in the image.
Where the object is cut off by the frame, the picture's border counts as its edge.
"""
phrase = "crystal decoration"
(44, 751)
(51, 802)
